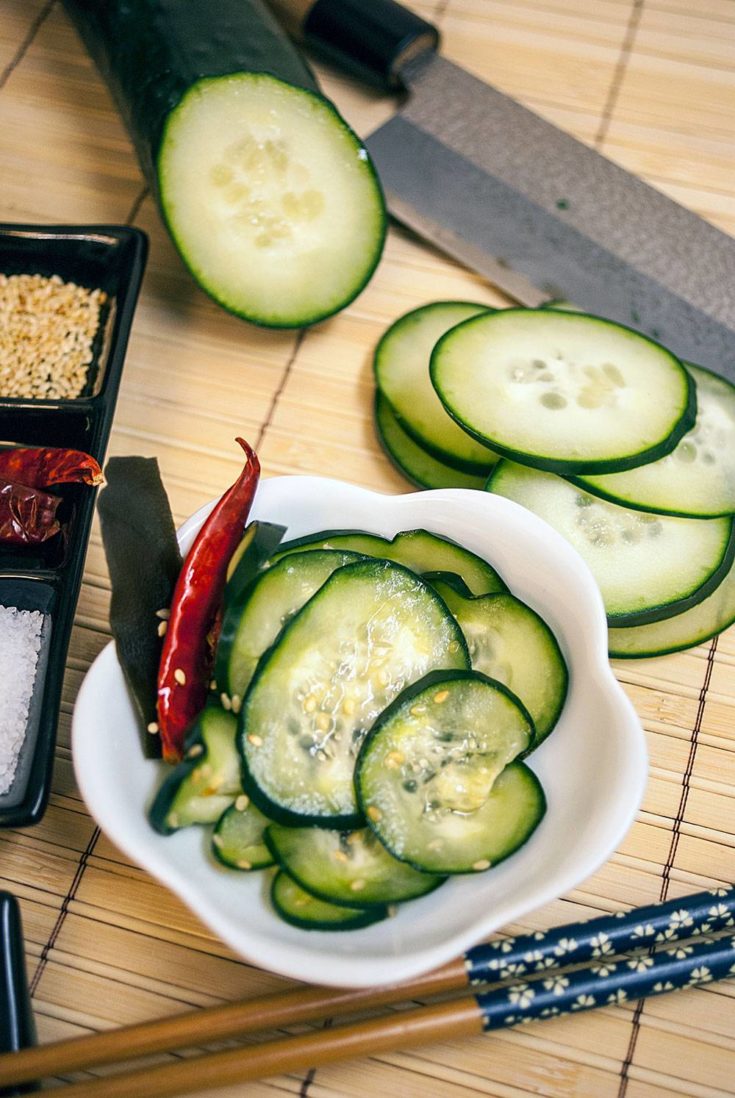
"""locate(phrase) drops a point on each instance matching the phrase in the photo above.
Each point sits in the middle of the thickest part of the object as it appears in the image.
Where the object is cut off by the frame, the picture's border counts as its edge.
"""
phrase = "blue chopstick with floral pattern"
(603, 937)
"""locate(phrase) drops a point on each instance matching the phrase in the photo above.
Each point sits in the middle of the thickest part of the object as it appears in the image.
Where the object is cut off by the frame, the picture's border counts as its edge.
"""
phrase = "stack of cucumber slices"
(605, 434)
(373, 704)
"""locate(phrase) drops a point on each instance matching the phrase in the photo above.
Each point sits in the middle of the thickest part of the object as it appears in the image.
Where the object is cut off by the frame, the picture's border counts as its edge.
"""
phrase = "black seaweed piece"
(144, 562)
(17, 1028)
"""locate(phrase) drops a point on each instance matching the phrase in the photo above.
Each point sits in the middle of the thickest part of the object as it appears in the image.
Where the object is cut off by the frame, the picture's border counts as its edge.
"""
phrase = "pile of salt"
(20, 643)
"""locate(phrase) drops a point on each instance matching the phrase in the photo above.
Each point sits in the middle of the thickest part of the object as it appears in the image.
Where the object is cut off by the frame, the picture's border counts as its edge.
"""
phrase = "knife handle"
(372, 39)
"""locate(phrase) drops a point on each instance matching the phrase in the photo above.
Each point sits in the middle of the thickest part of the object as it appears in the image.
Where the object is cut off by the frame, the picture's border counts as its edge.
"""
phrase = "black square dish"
(17, 1029)
(39, 584)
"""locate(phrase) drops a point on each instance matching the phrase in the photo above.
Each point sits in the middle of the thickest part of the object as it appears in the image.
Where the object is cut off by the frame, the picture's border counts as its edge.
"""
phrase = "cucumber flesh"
(301, 909)
(412, 460)
(270, 199)
(237, 839)
(371, 629)
(346, 867)
(434, 779)
(509, 642)
(206, 781)
(692, 627)
(698, 477)
(561, 391)
(251, 624)
(648, 567)
(419, 550)
(402, 375)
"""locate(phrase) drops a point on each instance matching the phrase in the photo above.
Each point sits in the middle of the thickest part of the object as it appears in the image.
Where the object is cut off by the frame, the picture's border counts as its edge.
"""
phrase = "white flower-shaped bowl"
(593, 767)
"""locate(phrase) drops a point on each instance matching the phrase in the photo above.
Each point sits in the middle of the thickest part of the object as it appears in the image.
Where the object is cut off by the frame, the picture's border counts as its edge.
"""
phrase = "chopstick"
(539, 956)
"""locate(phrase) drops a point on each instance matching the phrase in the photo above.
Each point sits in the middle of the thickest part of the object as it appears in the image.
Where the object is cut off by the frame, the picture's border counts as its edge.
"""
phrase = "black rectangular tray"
(48, 577)
(17, 1028)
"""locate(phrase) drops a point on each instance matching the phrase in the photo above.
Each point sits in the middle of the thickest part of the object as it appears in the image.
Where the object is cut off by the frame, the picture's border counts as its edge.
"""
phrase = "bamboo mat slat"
(650, 83)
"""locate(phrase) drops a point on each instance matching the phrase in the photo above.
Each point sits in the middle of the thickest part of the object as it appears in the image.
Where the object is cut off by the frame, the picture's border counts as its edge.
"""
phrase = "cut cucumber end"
(270, 198)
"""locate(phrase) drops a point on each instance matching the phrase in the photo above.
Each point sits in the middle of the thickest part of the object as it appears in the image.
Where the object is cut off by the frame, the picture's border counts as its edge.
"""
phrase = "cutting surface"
(651, 83)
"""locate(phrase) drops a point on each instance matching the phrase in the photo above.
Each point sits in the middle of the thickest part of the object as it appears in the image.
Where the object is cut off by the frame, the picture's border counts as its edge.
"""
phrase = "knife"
(541, 215)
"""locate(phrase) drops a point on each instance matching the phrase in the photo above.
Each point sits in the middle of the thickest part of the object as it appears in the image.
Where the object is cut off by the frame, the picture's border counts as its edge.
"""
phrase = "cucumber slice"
(698, 477)
(509, 642)
(206, 781)
(352, 868)
(564, 392)
(694, 626)
(299, 908)
(268, 195)
(257, 545)
(371, 629)
(415, 463)
(648, 567)
(252, 623)
(433, 777)
(402, 375)
(237, 840)
(419, 550)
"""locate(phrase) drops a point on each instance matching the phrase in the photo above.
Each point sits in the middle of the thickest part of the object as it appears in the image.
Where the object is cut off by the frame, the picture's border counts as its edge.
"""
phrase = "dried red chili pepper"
(184, 671)
(42, 466)
(27, 515)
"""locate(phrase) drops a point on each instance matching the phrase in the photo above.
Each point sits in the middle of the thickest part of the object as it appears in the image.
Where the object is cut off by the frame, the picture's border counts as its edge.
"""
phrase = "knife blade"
(537, 212)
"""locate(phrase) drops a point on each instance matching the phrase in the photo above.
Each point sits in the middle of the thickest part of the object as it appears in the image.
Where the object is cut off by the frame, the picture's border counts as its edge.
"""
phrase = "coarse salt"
(20, 643)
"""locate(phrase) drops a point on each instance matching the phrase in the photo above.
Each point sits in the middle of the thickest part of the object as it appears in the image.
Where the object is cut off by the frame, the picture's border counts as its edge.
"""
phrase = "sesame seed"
(152, 728)
(217, 840)
(357, 886)
(162, 627)
(236, 702)
(180, 676)
(164, 613)
(242, 802)
(244, 864)
(226, 702)
(340, 856)
(394, 759)
(48, 329)
(482, 864)
(374, 813)
(441, 697)
(172, 819)
(256, 741)
(194, 750)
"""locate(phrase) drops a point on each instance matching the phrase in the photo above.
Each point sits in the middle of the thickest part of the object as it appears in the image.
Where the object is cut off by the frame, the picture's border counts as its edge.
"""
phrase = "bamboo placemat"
(651, 83)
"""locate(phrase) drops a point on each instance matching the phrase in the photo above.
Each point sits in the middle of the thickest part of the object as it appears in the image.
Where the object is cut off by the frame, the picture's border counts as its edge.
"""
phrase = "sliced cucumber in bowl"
(648, 567)
(436, 777)
(564, 392)
(371, 629)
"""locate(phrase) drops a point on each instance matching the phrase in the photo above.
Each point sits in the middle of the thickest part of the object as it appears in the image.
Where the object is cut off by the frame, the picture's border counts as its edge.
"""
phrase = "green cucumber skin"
(569, 468)
(673, 609)
(469, 467)
(436, 473)
(361, 917)
(169, 45)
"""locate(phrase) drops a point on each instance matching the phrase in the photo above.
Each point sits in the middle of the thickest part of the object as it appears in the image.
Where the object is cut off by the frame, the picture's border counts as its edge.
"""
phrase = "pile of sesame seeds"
(47, 329)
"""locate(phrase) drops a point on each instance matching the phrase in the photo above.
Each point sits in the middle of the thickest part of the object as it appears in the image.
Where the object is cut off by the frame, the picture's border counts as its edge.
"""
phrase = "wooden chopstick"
(593, 986)
(521, 957)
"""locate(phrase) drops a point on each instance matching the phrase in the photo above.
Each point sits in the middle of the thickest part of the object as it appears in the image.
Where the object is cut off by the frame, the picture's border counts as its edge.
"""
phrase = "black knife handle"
(372, 39)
